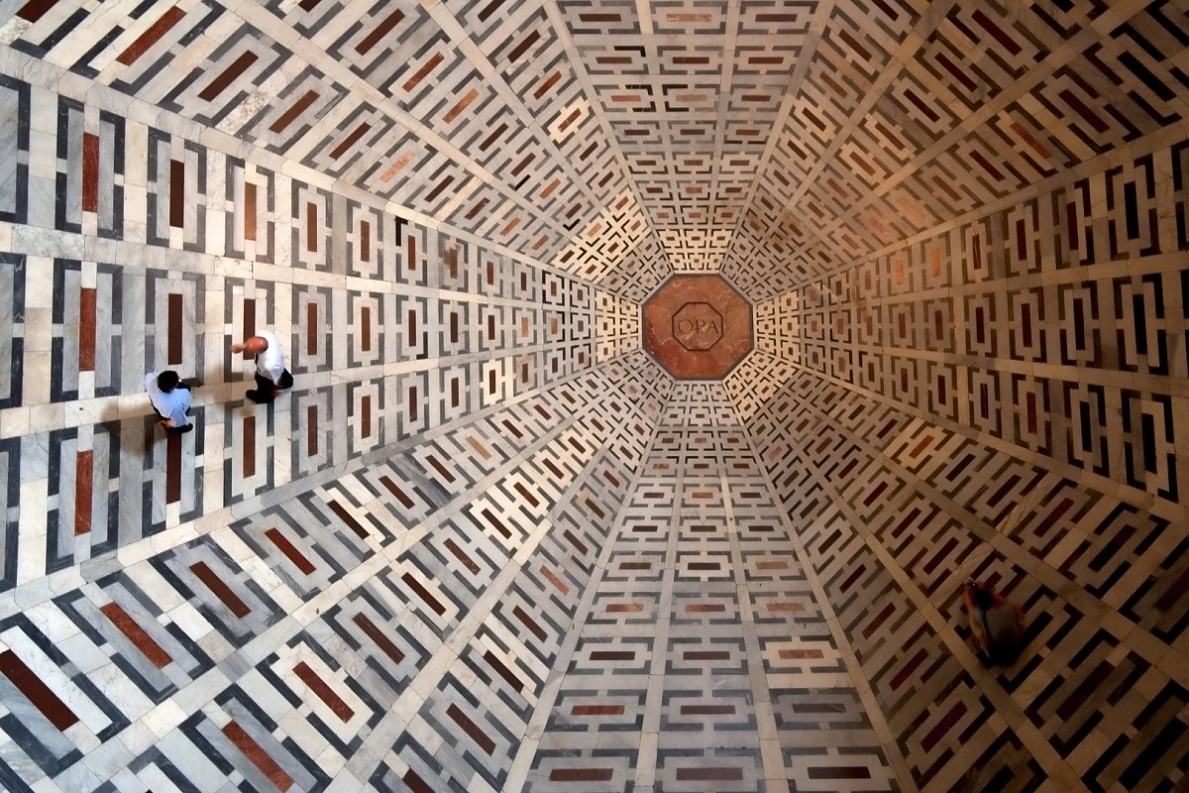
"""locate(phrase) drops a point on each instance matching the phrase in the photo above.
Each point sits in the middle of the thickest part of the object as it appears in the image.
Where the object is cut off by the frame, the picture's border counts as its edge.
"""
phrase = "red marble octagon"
(697, 326)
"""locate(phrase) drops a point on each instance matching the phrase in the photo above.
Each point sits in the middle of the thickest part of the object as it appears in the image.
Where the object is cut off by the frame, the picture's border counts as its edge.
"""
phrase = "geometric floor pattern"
(486, 543)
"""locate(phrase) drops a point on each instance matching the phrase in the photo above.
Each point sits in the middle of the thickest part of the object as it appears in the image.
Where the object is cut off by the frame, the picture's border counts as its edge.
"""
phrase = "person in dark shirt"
(996, 624)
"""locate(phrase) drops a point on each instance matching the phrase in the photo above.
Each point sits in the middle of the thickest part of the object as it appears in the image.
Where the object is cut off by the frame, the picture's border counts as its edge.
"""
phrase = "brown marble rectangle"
(503, 671)
(173, 467)
(350, 140)
(177, 193)
(423, 72)
(719, 774)
(220, 590)
(312, 430)
(365, 241)
(323, 691)
(416, 783)
(298, 107)
(128, 626)
(399, 494)
(34, 9)
(365, 328)
(173, 353)
(311, 226)
(839, 772)
(580, 775)
(596, 710)
(90, 172)
(347, 518)
(151, 36)
(312, 328)
(249, 322)
(249, 211)
(260, 758)
(84, 467)
(249, 439)
(86, 329)
(291, 552)
(378, 32)
(424, 594)
(365, 413)
(376, 635)
(220, 83)
(43, 698)
(471, 729)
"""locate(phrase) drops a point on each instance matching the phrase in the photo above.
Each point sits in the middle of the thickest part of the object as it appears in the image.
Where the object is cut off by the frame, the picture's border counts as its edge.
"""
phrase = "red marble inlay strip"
(34, 9)
(299, 559)
(311, 226)
(529, 623)
(84, 467)
(312, 328)
(424, 71)
(249, 322)
(596, 710)
(462, 556)
(350, 141)
(86, 329)
(400, 495)
(220, 83)
(471, 729)
(173, 467)
(173, 354)
(942, 727)
(503, 671)
(379, 32)
(312, 430)
(719, 774)
(249, 211)
(365, 322)
(347, 518)
(365, 241)
(580, 775)
(308, 5)
(249, 446)
(260, 758)
(424, 594)
(416, 783)
(151, 36)
(90, 172)
(177, 193)
(136, 634)
(377, 636)
(461, 105)
(324, 691)
(287, 118)
(37, 692)
(221, 590)
(365, 409)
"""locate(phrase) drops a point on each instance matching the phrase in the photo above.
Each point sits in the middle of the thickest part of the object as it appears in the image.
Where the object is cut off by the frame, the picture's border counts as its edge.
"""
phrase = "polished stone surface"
(698, 327)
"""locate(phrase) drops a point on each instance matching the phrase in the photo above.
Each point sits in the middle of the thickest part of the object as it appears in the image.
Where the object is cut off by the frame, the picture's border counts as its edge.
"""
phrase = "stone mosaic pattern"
(485, 543)
(392, 627)
(467, 113)
(899, 510)
(909, 114)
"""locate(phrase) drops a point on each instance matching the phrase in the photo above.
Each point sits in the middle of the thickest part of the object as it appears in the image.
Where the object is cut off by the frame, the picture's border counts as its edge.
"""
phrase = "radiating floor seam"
(522, 764)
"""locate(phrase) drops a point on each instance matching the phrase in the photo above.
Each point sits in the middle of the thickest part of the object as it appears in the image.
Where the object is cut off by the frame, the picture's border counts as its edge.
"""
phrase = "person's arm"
(253, 344)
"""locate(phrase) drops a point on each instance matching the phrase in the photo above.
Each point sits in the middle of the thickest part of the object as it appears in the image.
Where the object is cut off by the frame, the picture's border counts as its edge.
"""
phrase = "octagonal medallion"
(697, 326)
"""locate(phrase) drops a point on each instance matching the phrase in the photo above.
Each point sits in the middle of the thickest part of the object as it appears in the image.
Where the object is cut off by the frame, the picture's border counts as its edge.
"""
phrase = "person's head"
(255, 345)
(983, 597)
(168, 380)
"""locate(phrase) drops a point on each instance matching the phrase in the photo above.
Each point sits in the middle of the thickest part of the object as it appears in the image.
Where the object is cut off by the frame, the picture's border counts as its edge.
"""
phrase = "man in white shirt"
(170, 398)
(271, 374)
